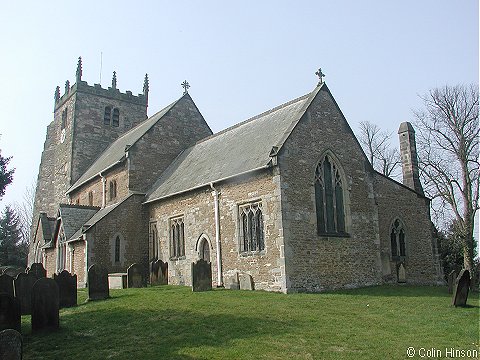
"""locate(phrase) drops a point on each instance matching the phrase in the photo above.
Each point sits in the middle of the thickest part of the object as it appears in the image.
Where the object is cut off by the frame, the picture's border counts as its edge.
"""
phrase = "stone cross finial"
(320, 75)
(67, 87)
(79, 69)
(57, 94)
(114, 80)
(185, 86)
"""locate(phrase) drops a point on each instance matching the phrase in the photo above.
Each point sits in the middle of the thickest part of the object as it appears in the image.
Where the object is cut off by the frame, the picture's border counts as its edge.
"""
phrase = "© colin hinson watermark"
(436, 353)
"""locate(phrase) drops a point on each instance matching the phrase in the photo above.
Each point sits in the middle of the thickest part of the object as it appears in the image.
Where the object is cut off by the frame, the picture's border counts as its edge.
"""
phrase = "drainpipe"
(104, 190)
(217, 237)
(86, 260)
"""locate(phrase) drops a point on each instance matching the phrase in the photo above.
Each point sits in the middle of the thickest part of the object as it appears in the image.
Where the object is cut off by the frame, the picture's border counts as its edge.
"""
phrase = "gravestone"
(10, 345)
(232, 282)
(67, 288)
(136, 276)
(6, 284)
(38, 270)
(23, 291)
(45, 305)
(462, 287)
(10, 316)
(158, 273)
(97, 283)
(451, 278)
(401, 274)
(201, 276)
(246, 282)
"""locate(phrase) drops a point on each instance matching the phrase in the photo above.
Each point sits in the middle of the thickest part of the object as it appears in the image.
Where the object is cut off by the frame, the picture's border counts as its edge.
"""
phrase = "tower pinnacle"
(79, 70)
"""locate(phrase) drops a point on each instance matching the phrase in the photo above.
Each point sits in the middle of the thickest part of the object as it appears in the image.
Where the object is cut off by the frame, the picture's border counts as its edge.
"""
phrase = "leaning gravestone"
(23, 291)
(158, 272)
(45, 305)
(10, 316)
(452, 277)
(38, 270)
(154, 269)
(462, 288)
(246, 282)
(10, 345)
(401, 274)
(6, 284)
(67, 287)
(97, 283)
(201, 276)
(135, 276)
(232, 282)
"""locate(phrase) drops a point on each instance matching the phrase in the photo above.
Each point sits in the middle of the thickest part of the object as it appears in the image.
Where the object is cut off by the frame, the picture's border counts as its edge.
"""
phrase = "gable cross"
(185, 86)
(320, 75)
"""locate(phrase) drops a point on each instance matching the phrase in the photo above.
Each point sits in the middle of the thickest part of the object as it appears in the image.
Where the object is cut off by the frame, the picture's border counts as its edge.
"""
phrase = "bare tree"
(376, 144)
(448, 149)
(24, 211)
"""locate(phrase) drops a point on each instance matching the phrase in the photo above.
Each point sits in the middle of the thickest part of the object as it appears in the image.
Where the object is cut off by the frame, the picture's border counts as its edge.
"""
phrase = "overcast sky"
(241, 58)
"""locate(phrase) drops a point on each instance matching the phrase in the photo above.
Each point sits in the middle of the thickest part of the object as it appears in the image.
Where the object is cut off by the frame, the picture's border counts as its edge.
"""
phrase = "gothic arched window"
(177, 238)
(397, 239)
(252, 234)
(107, 115)
(116, 117)
(329, 201)
(117, 249)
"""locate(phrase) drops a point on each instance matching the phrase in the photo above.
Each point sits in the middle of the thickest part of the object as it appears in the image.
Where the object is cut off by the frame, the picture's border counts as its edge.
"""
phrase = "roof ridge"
(78, 206)
(253, 118)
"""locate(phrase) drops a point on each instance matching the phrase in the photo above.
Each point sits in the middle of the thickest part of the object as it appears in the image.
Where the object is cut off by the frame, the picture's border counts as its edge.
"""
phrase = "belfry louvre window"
(116, 117)
(251, 228)
(177, 238)
(329, 200)
(397, 239)
(107, 115)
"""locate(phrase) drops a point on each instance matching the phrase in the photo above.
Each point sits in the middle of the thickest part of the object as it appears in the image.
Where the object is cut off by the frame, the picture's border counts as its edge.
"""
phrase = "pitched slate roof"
(115, 153)
(74, 216)
(239, 149)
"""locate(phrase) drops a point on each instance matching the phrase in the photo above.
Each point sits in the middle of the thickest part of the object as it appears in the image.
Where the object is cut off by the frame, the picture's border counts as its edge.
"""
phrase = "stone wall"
(79, 266)
(314, 262)
(197, 207)
(179, 129)
(128, 221)
(396, 201)
(50, 263)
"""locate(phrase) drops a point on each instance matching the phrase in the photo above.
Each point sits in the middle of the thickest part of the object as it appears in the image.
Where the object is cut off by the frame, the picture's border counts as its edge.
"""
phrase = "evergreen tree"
(12, 250)
(6, 176)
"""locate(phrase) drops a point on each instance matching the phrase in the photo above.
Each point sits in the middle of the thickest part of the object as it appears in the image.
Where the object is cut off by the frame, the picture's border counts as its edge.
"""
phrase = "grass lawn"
(169, 322)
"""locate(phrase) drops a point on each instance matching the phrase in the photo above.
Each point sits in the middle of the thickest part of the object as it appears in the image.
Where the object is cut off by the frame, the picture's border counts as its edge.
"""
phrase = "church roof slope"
(115, 153)
(74, 216)
(239, 149)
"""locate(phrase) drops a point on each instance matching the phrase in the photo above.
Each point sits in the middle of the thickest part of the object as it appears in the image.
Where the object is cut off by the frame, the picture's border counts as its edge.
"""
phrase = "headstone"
(10, 316)
(232, 282)
(38, 270)
(67, 287)
(10, 345)
(201, 276)
(452, 277)
(45, 305)
(97, 283)
(23, 291)
(462, 287)
(158, 272)
(136, 276)
(246, 282)
(6, 284)
(401, 274)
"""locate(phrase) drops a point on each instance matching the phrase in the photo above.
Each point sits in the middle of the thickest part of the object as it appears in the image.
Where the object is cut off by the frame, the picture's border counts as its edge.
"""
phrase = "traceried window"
(153, 235)
(107, 115)
(113, 190)
(329, 198)
(177, 237)
(117, 249)
(251, 228)
(116, 117)
(397, 239)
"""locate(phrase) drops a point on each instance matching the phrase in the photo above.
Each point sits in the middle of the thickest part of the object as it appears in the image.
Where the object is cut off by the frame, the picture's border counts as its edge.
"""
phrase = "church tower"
(86, 120)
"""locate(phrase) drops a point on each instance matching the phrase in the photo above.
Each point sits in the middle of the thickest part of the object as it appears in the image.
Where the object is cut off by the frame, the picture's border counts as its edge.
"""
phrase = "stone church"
(287, 196)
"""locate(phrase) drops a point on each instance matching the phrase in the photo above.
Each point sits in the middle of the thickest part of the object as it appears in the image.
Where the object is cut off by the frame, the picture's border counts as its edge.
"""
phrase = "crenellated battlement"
(111, 92)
